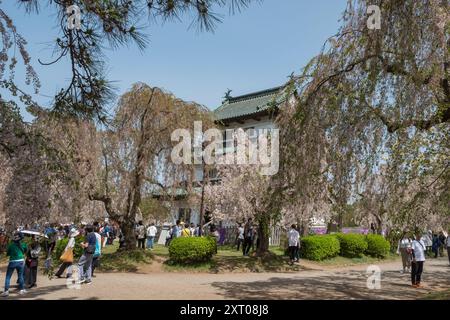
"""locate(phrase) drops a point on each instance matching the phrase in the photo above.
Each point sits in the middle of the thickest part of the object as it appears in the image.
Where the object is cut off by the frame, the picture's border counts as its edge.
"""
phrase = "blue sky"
(250, 51)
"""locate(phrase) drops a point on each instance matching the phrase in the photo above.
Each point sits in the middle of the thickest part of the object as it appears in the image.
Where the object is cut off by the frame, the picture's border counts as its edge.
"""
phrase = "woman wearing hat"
(16, 253)
(69, 247)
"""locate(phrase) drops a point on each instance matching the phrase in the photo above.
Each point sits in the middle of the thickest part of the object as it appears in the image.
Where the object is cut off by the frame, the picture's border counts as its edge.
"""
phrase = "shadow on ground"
(349, 285)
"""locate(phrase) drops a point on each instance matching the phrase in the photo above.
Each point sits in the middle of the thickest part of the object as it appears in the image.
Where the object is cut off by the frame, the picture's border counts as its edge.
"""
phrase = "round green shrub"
(192, 249)
(377, 246)
(352, 245)
(61, 245)
(319, 247)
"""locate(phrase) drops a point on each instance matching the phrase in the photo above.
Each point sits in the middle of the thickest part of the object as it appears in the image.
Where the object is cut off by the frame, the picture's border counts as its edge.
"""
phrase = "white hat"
(73, 233)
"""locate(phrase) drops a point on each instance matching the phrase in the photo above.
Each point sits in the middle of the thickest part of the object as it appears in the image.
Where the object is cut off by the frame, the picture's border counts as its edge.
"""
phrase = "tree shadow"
(35, 292)
(350, 285)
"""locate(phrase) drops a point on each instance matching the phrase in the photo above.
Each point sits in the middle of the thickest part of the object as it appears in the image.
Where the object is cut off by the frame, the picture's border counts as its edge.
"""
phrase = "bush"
(377, 246)
(61, 245)
(192, 249)
(352, 245)
(319, 247)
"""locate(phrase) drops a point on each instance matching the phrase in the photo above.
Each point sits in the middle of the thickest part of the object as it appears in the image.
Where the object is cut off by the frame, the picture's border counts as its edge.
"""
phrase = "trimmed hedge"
(352, 245)
(377, 246)
(319, 247)
(192, 249)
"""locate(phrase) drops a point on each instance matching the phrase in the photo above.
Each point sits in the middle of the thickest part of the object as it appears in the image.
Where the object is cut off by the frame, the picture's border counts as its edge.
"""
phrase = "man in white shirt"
(151, 234)
(293, 238)
(192, 229)
(418, 253)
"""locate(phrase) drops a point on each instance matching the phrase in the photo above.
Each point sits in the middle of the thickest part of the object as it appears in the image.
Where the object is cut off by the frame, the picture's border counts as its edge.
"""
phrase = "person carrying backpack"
(16, 253)
(85, 262)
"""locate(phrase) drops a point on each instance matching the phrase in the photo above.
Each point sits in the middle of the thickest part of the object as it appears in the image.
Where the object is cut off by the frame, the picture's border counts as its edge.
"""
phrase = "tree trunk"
(263, 235)
(304, 229)
(128, 232)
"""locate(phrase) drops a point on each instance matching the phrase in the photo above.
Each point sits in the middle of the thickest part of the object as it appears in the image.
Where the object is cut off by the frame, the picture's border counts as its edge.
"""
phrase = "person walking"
(294, 239)
(85, 261)
(97, 253)
(404, 249)
(52, 235)
(297, 251)
(418, 254)
(427, 239)
(441, 244)
(169, 236)
(68, 253)
(248, 237)
(435, 245)
(240, 236)
(140, 233)
(16, 253)
(31, 263)
(151, 234)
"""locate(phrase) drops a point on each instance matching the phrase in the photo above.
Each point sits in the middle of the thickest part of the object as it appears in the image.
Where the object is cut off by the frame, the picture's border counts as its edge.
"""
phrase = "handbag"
(67, 256)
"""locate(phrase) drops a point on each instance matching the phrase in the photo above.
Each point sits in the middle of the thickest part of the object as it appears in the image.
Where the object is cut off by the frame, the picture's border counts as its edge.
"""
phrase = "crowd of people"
(184, 229)
(24, 258)
(24, 255)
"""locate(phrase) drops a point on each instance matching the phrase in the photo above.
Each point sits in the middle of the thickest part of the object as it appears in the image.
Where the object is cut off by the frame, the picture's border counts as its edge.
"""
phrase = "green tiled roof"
(248, 104)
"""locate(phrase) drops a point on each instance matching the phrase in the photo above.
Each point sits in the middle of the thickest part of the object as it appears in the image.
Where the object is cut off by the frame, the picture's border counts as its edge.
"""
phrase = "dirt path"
(342, 283)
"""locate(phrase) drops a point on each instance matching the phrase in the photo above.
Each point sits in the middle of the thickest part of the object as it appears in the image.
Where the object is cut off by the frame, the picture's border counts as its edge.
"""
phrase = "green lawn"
(227, 259)
(128, 261)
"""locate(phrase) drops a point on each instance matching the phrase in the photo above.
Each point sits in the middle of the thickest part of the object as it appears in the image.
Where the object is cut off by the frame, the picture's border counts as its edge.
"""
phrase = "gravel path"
(342, 283)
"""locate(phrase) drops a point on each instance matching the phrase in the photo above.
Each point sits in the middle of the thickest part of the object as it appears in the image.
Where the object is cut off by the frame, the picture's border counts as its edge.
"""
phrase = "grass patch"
(160, 250)
(441, 295)
(340, 261)
(124, 261)
(200, 267)
(270, 263)
(228, 259)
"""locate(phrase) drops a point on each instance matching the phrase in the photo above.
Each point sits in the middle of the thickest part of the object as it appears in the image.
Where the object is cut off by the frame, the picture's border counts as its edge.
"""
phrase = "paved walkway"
(343, 283)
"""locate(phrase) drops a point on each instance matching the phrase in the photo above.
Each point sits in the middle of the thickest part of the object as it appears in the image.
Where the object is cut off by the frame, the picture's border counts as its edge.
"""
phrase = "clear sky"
(250, 51)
